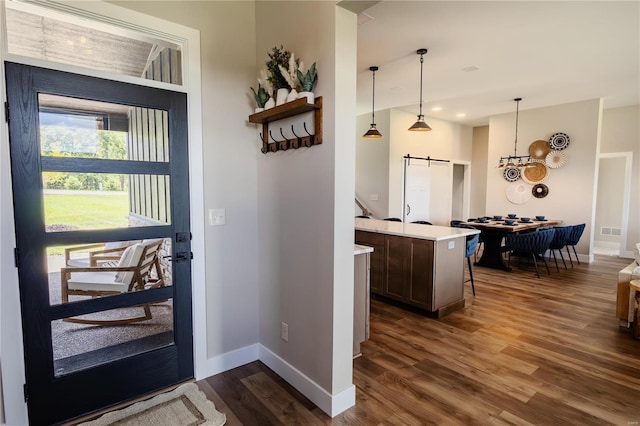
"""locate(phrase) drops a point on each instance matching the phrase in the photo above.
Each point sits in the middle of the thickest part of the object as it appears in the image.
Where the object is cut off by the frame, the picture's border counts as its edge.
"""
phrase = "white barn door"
(427, 191)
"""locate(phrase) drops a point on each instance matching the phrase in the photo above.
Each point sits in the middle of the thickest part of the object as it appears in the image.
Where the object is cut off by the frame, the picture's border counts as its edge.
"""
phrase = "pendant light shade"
(420, 125)
(373, 132)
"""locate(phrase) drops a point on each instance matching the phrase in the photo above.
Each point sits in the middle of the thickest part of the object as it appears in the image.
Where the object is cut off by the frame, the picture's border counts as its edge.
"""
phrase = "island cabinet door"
(394, 280)
(419, 272)
(377, 258)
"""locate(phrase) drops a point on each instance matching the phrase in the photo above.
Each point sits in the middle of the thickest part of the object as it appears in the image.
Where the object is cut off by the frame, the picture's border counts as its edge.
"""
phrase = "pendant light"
(373, 133)
(509, 162)
(420, 125)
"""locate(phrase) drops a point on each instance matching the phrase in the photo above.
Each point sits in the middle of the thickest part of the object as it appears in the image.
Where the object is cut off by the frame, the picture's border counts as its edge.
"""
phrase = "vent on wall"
(610, 231)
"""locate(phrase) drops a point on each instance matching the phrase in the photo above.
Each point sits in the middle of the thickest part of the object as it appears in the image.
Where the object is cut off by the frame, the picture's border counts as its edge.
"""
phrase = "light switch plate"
(217, 217)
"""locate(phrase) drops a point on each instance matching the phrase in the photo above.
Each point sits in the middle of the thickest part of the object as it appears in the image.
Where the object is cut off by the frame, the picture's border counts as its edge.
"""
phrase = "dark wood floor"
(523, 351)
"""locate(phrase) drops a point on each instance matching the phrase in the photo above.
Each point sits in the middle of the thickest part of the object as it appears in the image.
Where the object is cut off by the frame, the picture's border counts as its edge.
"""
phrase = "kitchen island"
(417, 265)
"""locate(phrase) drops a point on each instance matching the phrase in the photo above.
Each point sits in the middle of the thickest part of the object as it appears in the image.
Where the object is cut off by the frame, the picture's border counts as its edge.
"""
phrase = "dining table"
(493, 231)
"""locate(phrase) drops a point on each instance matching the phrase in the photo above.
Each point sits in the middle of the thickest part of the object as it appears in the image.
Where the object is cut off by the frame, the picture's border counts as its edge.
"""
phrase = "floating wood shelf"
(290, 109)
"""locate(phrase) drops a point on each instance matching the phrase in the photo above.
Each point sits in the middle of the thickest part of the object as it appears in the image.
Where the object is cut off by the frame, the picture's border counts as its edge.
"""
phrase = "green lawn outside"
(85, 210)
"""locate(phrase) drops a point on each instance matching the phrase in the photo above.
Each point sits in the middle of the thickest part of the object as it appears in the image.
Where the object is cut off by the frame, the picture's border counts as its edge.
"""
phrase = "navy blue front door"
(101, 202)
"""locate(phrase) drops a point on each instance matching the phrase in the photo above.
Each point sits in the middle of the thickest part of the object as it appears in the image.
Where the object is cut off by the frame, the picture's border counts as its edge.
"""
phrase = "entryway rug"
(184, 406)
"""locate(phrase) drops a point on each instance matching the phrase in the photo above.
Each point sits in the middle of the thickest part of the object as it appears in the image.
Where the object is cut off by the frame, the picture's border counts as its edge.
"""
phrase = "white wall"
(305, 213)
(479, 168)
(572, 187)
(457, 208)
(372, 164)
(621, 133)
(609, 199)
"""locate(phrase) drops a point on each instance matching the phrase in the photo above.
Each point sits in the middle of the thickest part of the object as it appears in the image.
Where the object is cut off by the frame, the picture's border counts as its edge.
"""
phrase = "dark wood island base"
(417, 266)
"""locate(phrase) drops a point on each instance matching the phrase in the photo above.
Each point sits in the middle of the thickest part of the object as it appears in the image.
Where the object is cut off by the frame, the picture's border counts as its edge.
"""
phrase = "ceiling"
(482, 55)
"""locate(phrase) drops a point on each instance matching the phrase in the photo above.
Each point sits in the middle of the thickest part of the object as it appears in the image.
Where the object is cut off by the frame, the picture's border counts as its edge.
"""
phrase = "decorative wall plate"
(537, 173)
(559, 141)
(511, 174)
(556, 159)
(518, 192)
(539, 149)
(540, 190)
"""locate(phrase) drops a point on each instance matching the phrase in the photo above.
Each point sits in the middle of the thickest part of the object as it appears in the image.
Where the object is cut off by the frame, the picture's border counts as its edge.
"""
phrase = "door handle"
(181, 256)
(408, 209)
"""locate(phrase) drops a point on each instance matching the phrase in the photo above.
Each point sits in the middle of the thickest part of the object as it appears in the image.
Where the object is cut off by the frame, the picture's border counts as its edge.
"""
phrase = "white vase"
(308, 95)
(281, 96)
(292, 96)
(270, 103)
(258, 109)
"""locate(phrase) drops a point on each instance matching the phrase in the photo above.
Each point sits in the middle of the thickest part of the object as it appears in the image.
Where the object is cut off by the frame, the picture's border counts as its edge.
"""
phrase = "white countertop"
(413, 230)
(360, 249)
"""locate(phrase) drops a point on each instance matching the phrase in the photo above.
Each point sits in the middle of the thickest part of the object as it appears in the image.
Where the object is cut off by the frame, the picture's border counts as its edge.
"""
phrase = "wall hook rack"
(289, 109)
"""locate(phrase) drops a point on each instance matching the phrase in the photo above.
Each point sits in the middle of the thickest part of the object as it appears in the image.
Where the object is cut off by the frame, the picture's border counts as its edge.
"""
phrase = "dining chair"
(533, 244)
(560, 238)
(461, 224)
(472, 244)
(476, 246)
(422, 222)
(574, 237)
(361, 216)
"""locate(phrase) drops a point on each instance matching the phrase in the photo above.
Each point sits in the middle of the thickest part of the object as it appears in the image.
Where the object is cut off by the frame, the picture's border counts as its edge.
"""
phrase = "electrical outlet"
(284, 331)
(452, 244)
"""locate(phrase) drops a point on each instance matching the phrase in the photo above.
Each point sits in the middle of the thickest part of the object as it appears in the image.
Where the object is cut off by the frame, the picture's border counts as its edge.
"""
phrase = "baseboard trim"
(627, 254)
(330, 404)
(228, 361)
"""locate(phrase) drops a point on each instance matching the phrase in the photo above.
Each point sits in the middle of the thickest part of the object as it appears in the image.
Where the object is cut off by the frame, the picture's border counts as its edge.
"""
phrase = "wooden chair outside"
(100, 254)
(131, 274)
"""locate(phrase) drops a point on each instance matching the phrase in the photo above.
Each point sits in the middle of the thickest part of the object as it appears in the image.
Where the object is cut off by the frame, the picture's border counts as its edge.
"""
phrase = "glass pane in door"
(78, 346)
(79, 272)
(81, 128)
(83, 201)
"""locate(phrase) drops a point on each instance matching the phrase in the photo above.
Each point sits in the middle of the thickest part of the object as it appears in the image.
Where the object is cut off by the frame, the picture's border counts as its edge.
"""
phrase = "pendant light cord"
(421, 62)
(515, 143)
(373, 102)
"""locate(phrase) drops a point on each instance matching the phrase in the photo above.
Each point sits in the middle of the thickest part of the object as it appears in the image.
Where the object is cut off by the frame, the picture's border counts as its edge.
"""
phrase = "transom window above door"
(43, 34)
